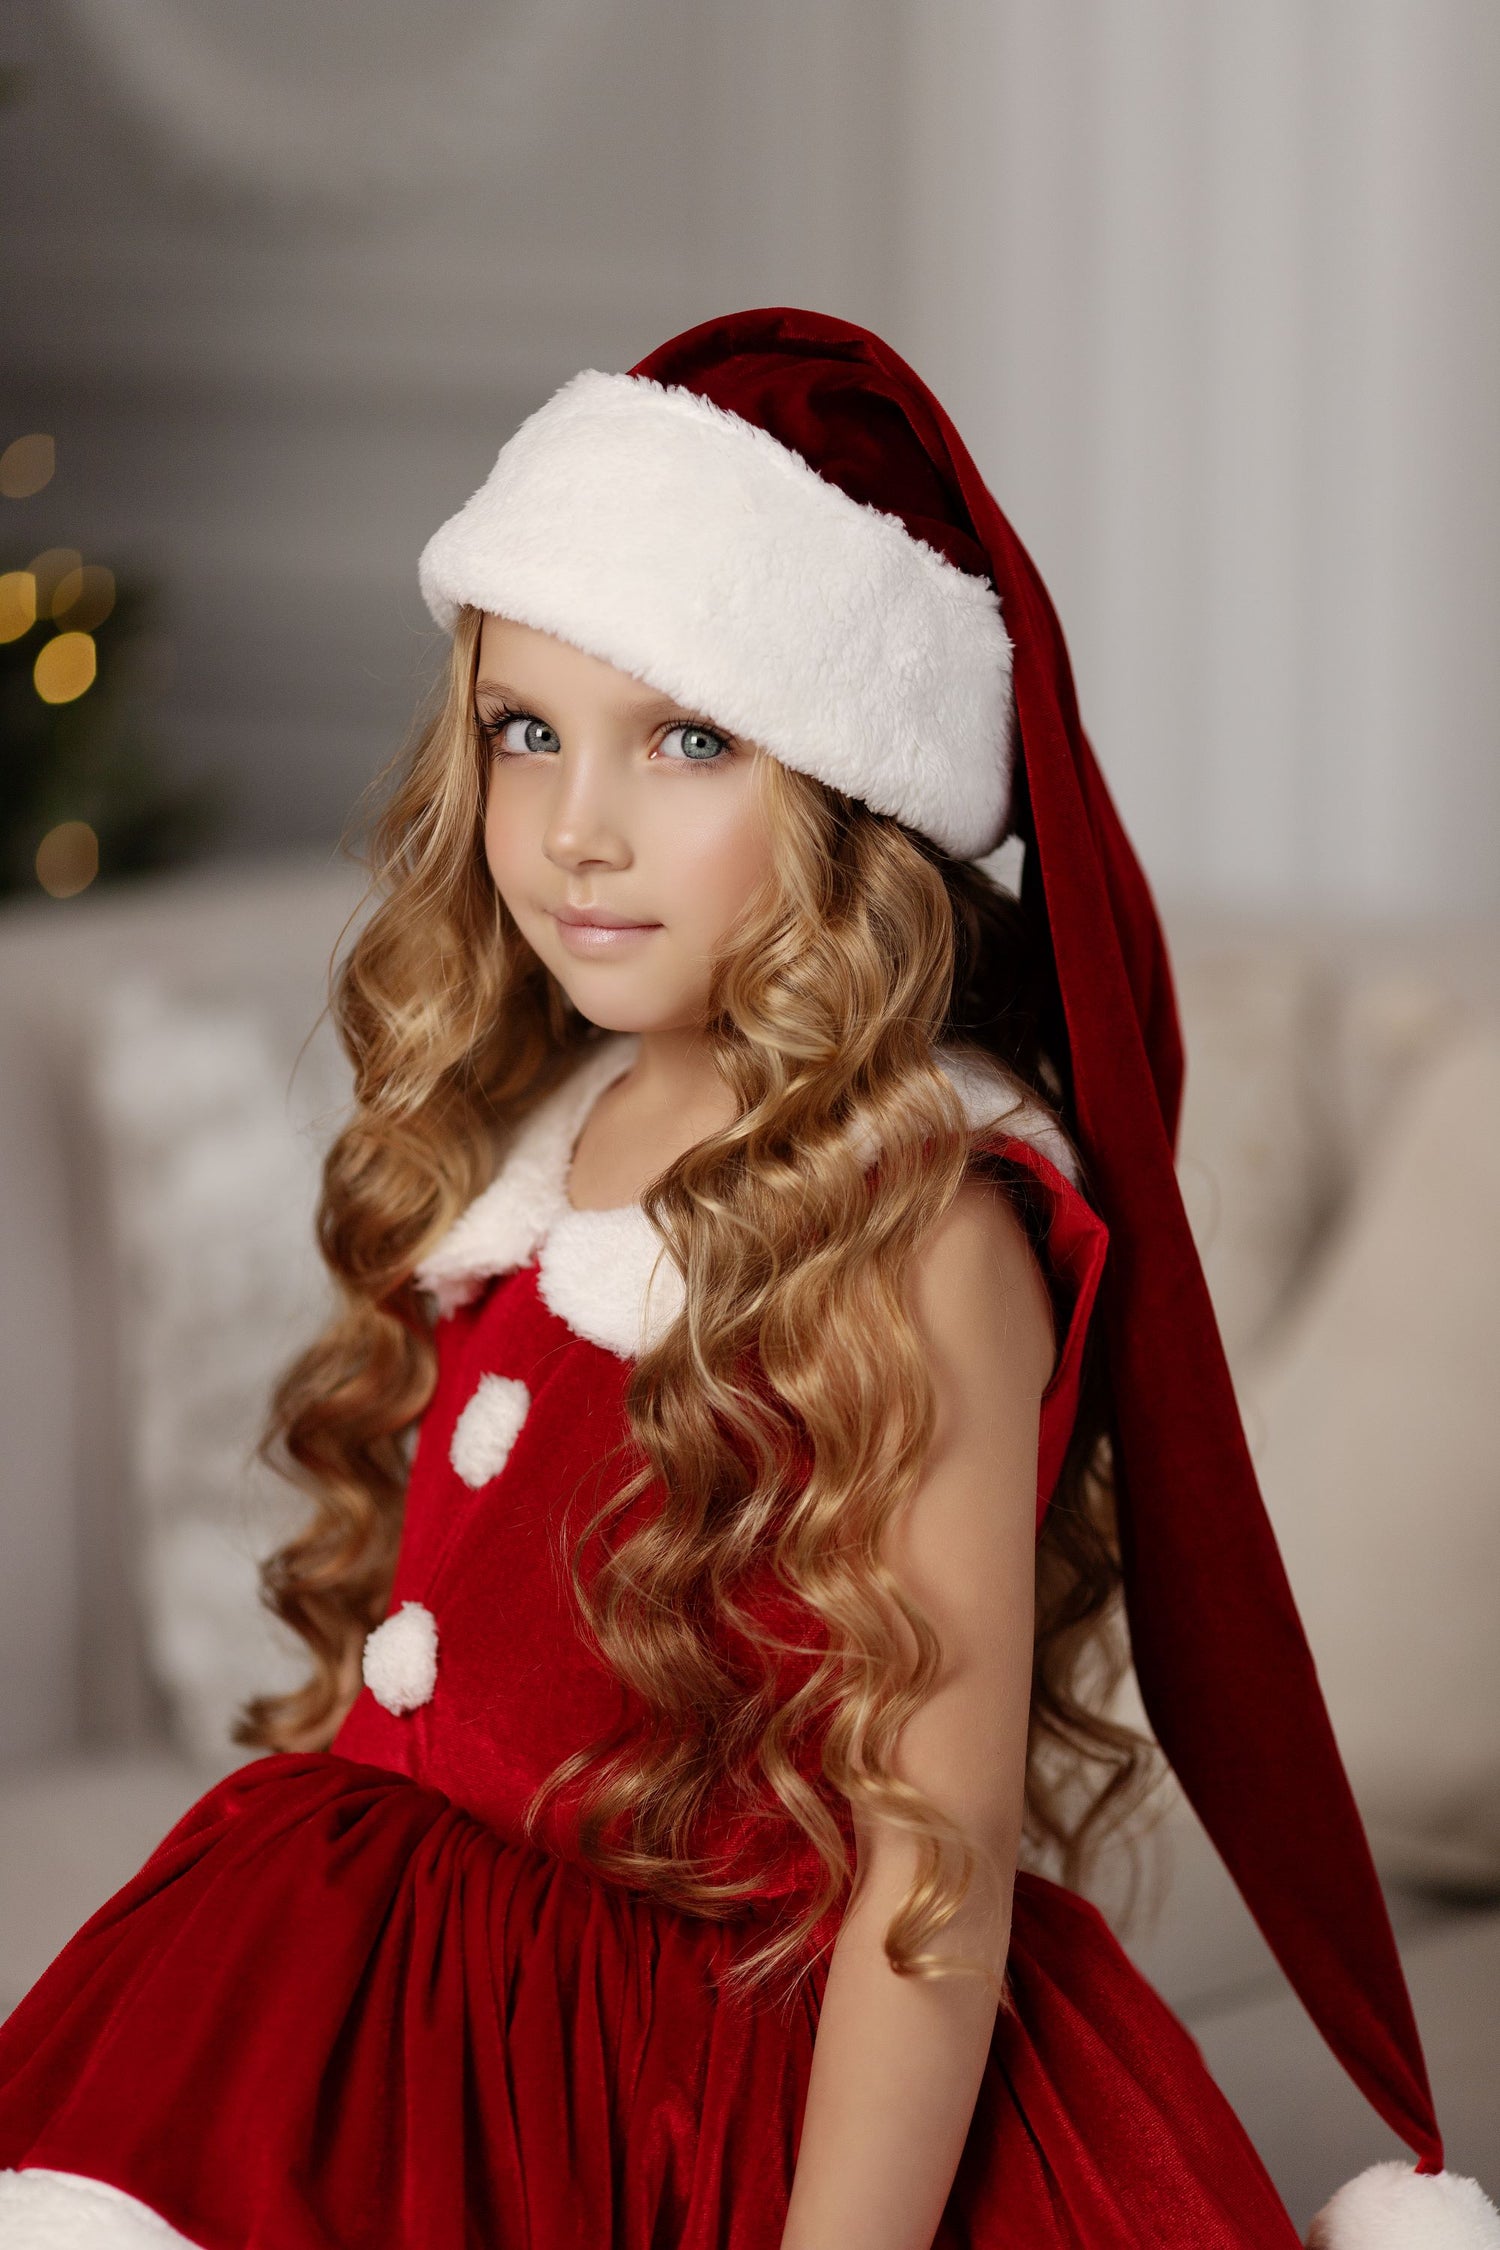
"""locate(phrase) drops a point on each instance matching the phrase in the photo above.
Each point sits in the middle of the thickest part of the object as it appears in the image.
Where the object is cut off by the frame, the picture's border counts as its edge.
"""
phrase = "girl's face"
(624, 831)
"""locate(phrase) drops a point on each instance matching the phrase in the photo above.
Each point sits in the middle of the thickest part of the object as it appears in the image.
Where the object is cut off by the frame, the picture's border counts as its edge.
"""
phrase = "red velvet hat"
(773, 518)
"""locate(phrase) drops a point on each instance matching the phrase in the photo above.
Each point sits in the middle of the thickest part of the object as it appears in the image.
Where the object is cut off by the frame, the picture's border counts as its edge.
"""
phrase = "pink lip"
(592, 934)
(595, 918)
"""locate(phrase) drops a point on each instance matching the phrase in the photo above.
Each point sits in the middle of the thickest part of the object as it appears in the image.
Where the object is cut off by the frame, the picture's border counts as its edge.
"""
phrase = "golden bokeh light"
(26, 465)
(17, 604)
(49, 569)
(83, 598)
(65, 667)
(67, 859)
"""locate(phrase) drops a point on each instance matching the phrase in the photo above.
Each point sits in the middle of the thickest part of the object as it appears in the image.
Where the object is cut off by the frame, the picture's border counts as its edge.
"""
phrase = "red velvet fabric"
(347, 2003)
(1223, 1663)
(334, 2012)
(520, 1689)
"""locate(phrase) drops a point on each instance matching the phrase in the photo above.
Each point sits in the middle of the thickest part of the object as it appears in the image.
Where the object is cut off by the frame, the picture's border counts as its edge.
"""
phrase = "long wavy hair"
(785, 1416)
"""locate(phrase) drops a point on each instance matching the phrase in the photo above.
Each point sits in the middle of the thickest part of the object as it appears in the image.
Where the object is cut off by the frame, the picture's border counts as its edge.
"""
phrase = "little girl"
(764, 1292)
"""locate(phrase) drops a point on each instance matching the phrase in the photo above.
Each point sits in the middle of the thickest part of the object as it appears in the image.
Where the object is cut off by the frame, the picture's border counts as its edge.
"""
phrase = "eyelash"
(494, 726)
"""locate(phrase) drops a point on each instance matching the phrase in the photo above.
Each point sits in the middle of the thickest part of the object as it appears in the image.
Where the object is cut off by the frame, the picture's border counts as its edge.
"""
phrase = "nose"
(584, 827)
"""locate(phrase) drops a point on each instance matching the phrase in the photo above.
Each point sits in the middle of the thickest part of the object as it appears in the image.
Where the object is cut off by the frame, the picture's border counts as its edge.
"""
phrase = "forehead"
(526, 662)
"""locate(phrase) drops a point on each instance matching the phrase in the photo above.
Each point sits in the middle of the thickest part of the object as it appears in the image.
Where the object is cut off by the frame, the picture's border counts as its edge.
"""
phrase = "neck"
(674, 1072)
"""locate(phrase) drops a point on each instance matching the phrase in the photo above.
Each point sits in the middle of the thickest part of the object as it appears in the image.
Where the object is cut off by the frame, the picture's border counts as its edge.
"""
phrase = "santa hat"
(642, 522)
(772, 519)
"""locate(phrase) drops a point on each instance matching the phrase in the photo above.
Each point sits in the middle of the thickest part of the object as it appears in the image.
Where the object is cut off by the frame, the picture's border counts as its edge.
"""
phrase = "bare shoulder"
(964, 1545)
(979, 1294)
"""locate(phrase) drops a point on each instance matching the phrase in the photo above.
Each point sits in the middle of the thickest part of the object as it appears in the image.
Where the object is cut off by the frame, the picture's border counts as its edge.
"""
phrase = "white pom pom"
(487, 1429)
(400, 1659)
(1395, 2207)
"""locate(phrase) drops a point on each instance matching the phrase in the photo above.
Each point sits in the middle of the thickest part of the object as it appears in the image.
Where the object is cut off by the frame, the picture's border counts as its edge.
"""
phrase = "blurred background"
(1210, 288)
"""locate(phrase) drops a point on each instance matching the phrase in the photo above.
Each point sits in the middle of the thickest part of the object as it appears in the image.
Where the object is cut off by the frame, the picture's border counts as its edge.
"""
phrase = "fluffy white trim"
(609, 1276)
(487, 1428)
(1394, 2207)
(691, 548)
(503, 1226)
(42, 2210)
(608, 1273)
(400, 1659)
(989, 1098)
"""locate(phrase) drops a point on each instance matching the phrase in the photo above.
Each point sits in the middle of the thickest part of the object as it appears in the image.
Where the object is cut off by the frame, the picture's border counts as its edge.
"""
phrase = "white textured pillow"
(212, 1149)
(1372, 1412)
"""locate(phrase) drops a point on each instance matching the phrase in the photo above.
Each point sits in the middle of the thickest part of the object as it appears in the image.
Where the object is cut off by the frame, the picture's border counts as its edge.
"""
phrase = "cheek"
(719, 854)
(507, 845)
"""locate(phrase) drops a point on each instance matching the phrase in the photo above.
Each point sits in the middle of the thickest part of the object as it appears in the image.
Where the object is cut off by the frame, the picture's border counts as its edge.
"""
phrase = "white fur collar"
(607, 1273)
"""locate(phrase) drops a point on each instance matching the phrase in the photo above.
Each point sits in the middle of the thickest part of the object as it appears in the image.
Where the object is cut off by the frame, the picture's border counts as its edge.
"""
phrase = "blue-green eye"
(518, 734)
(699, 746)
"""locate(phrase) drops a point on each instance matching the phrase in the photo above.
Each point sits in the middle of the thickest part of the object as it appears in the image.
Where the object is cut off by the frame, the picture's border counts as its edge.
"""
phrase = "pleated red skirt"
(334, 2012)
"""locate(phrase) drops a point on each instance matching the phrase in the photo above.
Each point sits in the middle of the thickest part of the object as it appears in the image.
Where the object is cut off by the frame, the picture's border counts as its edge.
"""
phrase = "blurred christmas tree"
(84, 791)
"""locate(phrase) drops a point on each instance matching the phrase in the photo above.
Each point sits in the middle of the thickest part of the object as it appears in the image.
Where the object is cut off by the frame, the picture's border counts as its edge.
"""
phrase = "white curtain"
(1211, 287)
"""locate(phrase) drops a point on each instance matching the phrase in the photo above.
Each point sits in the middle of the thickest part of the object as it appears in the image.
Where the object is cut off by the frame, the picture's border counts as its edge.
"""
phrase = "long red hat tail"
(1223, 1663)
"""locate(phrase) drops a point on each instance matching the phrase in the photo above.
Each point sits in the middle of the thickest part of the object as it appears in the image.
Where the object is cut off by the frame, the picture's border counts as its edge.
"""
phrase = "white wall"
(1211, 288)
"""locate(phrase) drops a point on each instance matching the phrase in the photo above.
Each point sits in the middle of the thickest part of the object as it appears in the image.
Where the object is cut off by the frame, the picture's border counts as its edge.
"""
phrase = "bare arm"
(897, 2061)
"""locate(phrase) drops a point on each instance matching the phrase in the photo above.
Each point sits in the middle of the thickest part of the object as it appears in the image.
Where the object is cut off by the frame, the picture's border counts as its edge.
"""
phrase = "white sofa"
(157, 1169)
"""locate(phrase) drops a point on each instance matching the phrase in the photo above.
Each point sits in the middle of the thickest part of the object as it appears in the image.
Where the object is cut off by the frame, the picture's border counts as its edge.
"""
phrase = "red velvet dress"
(347, 2005)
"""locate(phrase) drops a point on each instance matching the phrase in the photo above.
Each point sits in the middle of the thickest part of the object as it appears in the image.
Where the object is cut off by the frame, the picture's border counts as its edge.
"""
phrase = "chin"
(626, 1011)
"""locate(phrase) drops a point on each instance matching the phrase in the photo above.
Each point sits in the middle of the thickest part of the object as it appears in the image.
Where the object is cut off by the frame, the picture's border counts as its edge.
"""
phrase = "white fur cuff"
(41, 2210)
(692, 549)
(1394, 2207)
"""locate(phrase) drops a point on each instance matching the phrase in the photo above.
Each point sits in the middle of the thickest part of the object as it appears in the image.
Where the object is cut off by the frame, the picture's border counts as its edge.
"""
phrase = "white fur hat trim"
(1394, 2207)
(400, 1659)
(45, 2210)
(608, 1273)
(692, 549)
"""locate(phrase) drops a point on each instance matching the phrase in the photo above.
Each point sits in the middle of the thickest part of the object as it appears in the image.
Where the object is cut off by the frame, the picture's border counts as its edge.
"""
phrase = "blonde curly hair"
(784, 1417)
